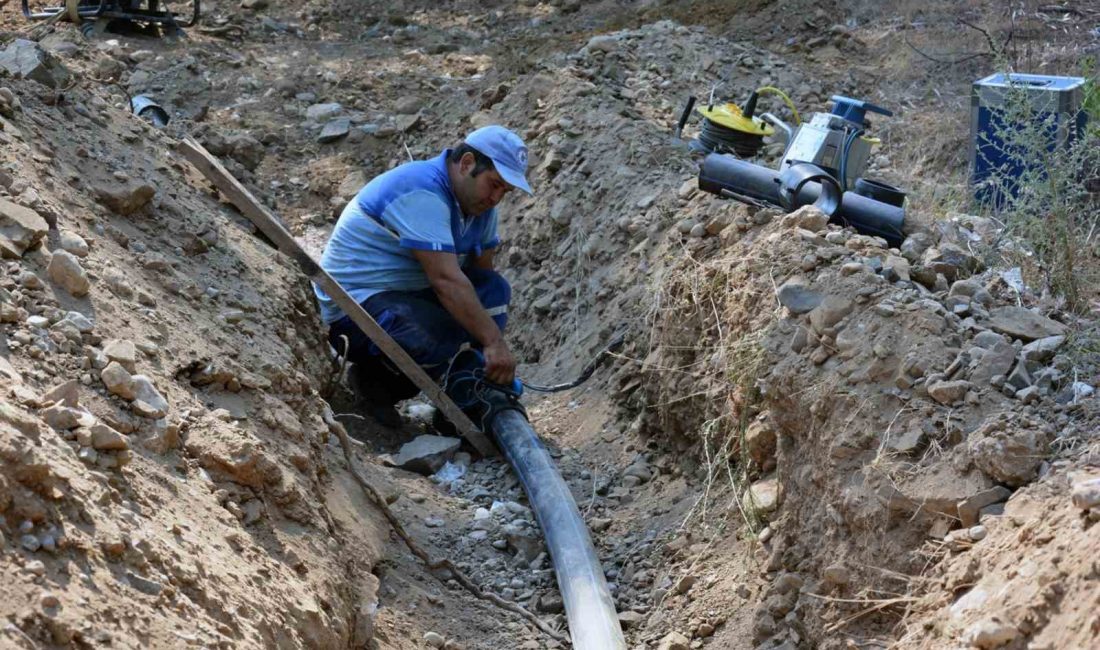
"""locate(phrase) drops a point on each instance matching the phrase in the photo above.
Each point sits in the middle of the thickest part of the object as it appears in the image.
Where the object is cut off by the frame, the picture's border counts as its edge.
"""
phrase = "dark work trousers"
(422, 326)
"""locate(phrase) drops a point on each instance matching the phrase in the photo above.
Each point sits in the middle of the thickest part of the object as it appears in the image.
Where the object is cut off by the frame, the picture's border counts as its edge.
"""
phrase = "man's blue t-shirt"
(411, 207)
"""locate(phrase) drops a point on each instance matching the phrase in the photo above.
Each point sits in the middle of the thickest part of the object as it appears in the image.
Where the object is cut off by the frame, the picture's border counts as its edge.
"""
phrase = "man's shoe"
(386, 415)
(373, 396)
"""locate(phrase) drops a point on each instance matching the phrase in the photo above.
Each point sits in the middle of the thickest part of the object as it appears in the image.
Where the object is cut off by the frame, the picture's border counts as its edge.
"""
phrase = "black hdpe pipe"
(593, 621)
(731, 177)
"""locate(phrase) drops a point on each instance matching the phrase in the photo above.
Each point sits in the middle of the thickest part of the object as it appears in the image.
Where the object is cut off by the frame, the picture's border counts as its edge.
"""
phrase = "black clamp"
(794, 178)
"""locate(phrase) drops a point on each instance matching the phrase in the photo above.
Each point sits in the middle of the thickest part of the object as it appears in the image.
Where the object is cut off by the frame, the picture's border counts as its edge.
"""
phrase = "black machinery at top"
(822, 164)
(173, 14)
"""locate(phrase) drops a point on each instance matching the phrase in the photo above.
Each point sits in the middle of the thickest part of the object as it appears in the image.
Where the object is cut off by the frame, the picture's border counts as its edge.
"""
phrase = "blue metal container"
(1054, 99)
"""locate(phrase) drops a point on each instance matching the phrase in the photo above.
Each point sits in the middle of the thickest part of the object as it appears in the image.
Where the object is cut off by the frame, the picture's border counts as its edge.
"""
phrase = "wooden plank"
(270, 225)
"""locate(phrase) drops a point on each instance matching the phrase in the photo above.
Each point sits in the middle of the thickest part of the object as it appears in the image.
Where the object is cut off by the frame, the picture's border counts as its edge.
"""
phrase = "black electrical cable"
(720, 139)
(615, 344)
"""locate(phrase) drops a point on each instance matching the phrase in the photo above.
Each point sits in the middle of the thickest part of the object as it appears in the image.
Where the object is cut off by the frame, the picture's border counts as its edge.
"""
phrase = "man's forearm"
(458, 297)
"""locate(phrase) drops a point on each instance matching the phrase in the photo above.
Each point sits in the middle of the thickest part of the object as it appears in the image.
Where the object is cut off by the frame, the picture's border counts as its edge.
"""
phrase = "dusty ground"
(225, 516)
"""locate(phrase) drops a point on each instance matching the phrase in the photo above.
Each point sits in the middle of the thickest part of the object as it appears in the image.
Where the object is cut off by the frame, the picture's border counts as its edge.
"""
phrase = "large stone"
(148, 402)
(1042, 350)
(674, 641)
(808, 217)
(123, 351)
(24, 59)
(970, 507)
(66, 394)
(65, 270)
(994, 361)
(323, 112)
(74, 243)
(763, 496)
(352, 183)
(948, 392)
(125, 199)
(117, 380)
(830, 312)
(760, 443)
(798, 298)
(1024, 324)
(951, 261)
(426, 454)
(104, 438)
(630, 619)
(1009, 457)
(20, 229)
(334, 130)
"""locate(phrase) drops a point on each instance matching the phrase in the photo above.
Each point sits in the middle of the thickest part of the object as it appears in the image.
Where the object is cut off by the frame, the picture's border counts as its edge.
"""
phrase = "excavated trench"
(753, 473)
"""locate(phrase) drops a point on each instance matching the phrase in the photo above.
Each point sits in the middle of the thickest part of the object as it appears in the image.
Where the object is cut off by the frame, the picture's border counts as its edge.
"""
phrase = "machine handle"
(685, 115)
(861, 105)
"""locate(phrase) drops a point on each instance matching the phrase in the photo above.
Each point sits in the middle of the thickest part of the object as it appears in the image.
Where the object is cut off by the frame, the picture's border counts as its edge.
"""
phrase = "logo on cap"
(521, 156)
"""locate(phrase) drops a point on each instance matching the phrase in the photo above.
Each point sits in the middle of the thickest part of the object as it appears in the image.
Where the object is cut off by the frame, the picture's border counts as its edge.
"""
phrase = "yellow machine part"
(729, 115)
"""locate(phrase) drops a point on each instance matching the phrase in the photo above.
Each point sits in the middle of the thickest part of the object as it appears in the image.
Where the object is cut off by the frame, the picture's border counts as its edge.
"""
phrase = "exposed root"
(433, 565)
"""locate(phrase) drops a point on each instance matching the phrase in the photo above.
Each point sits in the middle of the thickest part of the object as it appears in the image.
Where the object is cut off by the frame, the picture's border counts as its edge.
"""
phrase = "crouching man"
(415, 248)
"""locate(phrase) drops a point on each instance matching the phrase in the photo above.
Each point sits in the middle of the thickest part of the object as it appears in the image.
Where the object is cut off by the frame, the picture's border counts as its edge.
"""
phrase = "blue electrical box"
(1054, 101)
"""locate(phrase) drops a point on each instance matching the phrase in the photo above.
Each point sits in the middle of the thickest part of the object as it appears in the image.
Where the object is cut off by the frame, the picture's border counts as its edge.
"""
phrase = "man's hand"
(459, 298)
(500, 365)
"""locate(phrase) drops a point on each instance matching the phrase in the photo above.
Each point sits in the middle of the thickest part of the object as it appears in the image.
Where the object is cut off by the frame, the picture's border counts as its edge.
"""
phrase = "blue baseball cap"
(506, 150)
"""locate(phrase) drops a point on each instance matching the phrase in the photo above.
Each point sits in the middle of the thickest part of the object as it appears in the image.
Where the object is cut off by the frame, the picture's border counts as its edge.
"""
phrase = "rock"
(836, 574)
(117, 380)
(144, 585)
(630, 619)
(1042, 350)
(148, 402)
(996, 360)
(334, 130)
(830, 312)
(762, 496)
(760, 442)
(65, 270)
(798, 298)
(352, 183)
(254, 5)
(1019, 378)
(674, 641)
(323, 112)
(599, 524)
(125, 199)
(895, 268)
(407, 105)
(907, 442)
(104, 438)
(406, 123)
(809, 218)
(971, 289)
(914, 246)
(550, 603)
(123, 351)
(948, 392)
(684, 584)
(1024, 324)
(426, 454)
(1009, 457)
(63, 418)
(951, 261)
(602, 43)
(970, 507)
(66, 394)
(20, 229)
(989, 634)
(434, 640)
(24, 59)
(1086, 493)
(73, 243)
